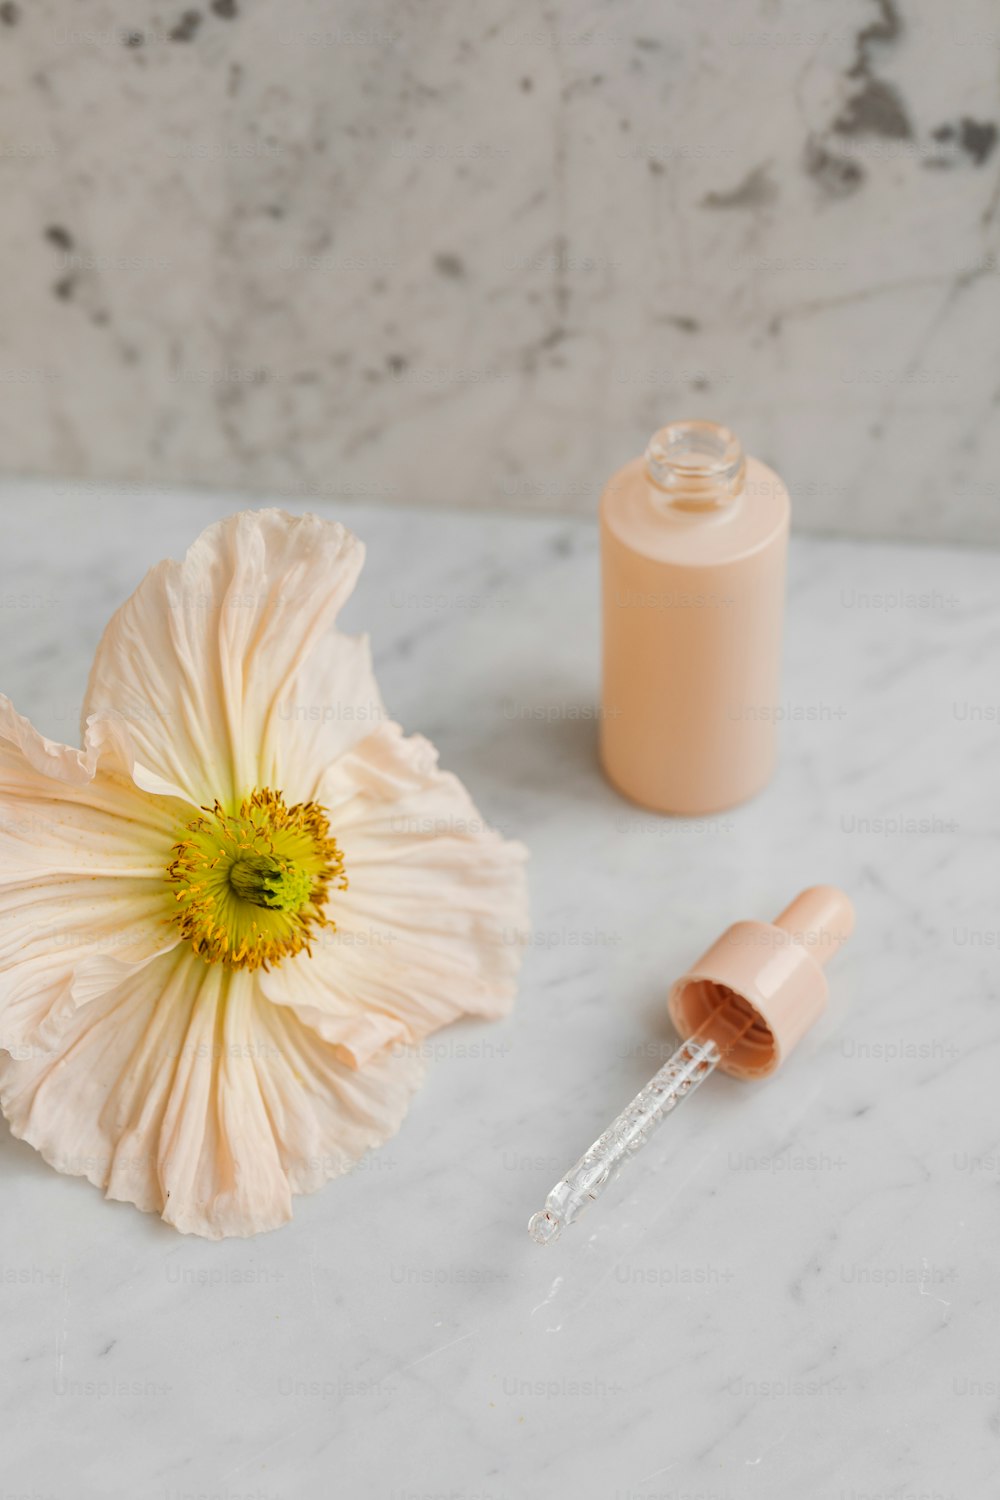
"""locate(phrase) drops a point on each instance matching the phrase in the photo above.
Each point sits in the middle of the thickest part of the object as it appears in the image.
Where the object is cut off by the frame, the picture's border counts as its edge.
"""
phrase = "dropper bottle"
(693, 542)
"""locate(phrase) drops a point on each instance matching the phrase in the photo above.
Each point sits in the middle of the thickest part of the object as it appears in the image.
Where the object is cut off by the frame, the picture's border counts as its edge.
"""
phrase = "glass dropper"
(689, 1066)
(779, 965)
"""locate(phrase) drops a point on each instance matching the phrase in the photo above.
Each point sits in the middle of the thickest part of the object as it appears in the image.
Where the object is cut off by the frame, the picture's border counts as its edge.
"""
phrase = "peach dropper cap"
(742, 1008)
(760, 987)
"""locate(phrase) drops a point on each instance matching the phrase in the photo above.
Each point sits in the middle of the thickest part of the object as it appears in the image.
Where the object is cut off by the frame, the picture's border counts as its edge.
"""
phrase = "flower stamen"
(251, 886)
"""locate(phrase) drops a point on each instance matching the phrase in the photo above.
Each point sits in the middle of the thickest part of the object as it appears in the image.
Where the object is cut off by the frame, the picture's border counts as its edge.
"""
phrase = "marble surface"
(474, 254)
(793, 1295)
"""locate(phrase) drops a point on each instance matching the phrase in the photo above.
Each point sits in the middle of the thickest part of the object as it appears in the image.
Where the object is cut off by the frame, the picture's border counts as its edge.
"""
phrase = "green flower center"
(273, 883)
(251, 886)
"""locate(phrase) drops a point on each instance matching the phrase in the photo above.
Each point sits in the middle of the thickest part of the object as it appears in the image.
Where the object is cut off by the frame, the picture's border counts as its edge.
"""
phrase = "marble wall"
(473, 253)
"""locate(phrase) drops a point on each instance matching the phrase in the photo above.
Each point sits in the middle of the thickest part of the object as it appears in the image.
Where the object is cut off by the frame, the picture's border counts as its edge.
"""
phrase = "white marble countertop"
(794, 1297)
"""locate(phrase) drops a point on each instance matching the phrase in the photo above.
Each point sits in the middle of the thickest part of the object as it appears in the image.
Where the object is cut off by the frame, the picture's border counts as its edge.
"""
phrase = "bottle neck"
(694, 468)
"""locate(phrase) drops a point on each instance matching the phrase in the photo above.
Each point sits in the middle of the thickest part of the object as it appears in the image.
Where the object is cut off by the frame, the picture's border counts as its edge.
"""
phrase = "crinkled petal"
(332, 702)
(432, 924)
(209, 661)
(82, 889)
(184, 1092)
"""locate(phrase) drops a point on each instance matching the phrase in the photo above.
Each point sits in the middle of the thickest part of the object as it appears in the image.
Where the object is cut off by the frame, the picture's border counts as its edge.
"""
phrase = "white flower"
(225, 920)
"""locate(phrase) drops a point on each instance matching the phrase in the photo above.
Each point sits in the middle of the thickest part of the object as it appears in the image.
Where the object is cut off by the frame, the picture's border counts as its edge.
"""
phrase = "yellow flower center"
(251, 886)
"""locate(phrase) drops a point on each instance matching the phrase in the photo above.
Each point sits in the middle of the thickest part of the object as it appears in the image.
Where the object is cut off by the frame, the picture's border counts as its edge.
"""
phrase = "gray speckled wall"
(474, 252)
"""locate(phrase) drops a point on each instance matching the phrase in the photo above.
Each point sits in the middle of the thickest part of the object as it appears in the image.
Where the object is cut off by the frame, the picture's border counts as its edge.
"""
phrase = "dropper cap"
(767, 974)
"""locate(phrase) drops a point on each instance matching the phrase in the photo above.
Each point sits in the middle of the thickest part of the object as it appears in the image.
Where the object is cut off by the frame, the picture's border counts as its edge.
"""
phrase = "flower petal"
(82, 860)
(332, 702)
(201, 658)
(431, 926)
(182, 1091)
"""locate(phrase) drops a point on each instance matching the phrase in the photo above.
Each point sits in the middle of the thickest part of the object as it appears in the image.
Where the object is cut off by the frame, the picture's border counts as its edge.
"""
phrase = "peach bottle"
(693, 542)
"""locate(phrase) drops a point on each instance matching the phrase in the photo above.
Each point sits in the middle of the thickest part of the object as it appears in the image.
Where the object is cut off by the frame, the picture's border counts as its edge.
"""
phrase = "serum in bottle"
(694, 536)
